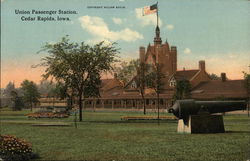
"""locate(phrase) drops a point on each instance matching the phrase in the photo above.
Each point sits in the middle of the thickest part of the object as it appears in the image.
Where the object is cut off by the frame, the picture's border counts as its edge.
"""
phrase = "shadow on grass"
(130, 121)
(239, 132)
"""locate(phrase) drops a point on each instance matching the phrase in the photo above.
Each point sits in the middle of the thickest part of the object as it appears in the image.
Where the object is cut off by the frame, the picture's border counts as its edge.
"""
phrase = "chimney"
(202, 66)
(142, 54)
(174, 58)
(223, 77)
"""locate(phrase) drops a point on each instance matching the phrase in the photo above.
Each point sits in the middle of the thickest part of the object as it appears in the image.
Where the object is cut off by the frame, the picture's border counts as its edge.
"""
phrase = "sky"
(216, 31)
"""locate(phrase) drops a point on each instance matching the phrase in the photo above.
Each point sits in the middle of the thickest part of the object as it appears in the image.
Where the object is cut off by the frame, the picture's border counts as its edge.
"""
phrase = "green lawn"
(103, 136)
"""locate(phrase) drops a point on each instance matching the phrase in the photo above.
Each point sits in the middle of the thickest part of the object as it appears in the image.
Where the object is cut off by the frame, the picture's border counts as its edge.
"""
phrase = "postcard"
(104, 57)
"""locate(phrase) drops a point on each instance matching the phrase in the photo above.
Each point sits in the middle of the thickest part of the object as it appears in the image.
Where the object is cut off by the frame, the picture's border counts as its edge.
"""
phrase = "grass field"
(103, 136)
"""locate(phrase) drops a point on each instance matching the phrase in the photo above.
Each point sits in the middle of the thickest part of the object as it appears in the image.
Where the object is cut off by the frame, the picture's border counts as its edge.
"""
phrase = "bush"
(48, 115)
(19, 104)
(15, 149)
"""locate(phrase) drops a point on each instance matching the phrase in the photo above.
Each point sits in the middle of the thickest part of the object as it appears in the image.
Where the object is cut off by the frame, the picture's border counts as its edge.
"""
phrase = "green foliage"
(51, 89)
(247, 82)
(18, 103)
(127, 70)
(182, 90)
(14, 149)
(141, 78)
(155, 78)
(155, 81)
(30, 92)
(9, 89)
(45, 87)
(79, 66)
(93, 85)
(59, 91)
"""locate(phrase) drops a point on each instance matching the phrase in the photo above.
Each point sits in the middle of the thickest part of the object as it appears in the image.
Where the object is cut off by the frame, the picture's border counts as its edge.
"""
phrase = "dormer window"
(172, 83)
(133, 84)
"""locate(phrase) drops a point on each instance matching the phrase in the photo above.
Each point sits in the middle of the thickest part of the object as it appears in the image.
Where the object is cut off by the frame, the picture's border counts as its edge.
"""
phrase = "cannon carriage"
(203, 116)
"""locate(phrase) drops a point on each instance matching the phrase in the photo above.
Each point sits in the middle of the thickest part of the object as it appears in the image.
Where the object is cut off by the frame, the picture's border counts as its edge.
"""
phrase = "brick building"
(115, 94)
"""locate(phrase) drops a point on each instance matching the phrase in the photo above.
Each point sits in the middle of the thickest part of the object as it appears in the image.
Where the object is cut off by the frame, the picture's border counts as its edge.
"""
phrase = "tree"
(247, 86)
(10, 93)
(78, 65)
(46, 87)
(155, 81)
(142, 69)
(18, 103)
(127, 70)
(30, 93)
(10, 87)
(182, 89)
(214, 77)
(58, 90)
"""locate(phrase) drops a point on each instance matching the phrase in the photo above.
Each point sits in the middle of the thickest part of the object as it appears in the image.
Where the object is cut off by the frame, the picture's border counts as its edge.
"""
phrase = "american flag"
(149, 9)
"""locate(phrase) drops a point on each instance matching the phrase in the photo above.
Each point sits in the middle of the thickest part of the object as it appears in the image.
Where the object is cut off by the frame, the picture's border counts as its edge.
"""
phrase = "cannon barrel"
(183, 108)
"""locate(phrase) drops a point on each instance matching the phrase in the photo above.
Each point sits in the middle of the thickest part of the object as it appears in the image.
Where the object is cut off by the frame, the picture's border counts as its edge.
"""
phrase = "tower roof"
(157, 39)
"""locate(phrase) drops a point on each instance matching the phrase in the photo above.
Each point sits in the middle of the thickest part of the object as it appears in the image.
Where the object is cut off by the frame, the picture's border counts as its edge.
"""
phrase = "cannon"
(197, 116)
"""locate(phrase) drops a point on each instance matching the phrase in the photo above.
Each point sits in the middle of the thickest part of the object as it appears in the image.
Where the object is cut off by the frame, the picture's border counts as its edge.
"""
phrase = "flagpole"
(157, 12)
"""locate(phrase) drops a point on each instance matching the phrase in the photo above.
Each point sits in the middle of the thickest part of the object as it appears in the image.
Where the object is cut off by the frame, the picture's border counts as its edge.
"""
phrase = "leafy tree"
(46, 87)
(30, 93)
(14, 100)
(214, 77)
(247, 86)
(182, 89)
(55, 90)
(93, 84)
(18, 103)
(127, 70)
(58, 90)
(78, 65)
(10, 93)
(142, 69)
(10, 87)
(247, 81)
(155, 81)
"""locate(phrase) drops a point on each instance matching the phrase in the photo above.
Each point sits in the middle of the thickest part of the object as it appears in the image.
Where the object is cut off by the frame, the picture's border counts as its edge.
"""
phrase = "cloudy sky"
(216, 31)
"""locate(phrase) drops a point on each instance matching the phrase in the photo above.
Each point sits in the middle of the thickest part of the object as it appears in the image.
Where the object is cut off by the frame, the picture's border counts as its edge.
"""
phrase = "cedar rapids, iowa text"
(42, 15)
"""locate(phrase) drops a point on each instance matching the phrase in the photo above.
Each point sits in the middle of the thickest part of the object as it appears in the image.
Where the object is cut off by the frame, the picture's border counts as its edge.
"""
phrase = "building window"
(172, 83)
(133, 84)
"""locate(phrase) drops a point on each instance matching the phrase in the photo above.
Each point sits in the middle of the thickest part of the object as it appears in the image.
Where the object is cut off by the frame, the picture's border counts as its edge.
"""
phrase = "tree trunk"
(158, 106)
(53, 101)
(143, 103)
(80, 107)
(248, 105)
(71, 101)
(30, 105)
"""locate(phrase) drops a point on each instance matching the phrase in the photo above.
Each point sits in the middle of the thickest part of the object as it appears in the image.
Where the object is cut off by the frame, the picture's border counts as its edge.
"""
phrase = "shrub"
(48, 115)
(15, 149)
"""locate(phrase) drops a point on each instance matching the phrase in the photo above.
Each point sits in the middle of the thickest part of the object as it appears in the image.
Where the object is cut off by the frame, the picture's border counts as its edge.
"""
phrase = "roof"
(108, 84)
(185, 74)
(215, 89)
(121, 94)
(150, 50)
